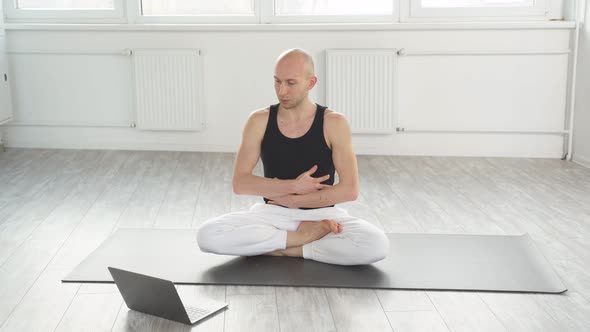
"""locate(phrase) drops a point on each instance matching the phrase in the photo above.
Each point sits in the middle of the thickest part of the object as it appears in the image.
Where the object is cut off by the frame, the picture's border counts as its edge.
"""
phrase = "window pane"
(197, 7)
(475, 3)
(333, 7)
(65, 4)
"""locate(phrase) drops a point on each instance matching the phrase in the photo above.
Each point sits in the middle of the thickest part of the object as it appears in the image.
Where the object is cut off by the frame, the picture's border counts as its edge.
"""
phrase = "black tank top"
(286, 158)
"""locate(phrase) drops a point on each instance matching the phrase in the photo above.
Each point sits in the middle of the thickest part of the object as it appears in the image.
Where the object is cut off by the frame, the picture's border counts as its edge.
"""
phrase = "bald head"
(294, 77)
(299, 58)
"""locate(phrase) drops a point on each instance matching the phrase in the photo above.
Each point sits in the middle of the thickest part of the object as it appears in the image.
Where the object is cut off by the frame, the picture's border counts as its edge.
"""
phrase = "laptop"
(158, 297)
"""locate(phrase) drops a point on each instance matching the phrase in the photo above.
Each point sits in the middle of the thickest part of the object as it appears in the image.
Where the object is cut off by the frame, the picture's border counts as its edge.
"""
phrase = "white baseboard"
(581, 160)
(509, 146)
(149, 146)
(108, 139)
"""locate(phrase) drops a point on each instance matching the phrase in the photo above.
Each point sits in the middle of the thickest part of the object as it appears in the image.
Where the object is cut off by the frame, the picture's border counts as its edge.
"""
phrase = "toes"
(335, 227)
(331, 226)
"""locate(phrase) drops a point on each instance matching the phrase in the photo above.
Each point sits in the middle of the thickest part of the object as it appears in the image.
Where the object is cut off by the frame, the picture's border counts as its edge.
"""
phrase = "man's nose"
(282, 89)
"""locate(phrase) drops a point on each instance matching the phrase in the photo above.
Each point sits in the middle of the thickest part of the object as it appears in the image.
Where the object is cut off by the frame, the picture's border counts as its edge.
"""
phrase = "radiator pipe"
(569, 152)
(481, 131)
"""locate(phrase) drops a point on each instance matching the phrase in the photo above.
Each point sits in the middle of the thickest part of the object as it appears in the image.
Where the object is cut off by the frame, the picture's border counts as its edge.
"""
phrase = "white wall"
(5, 95)
(581, 144)
(490, 92)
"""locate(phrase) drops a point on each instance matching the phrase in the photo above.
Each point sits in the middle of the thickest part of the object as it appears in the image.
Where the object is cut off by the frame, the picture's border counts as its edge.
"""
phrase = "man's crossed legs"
(327, 235)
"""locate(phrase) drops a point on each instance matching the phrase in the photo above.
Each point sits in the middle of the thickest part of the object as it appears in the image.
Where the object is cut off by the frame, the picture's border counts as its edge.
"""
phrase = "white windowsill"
(295, 27)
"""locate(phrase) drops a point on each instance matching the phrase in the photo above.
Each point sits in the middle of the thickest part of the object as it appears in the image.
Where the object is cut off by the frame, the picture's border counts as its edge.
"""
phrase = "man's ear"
(313, 82)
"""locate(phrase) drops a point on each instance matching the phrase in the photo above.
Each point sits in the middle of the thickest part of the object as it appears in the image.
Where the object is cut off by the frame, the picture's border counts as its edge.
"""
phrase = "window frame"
(412, 11)
(115, 15)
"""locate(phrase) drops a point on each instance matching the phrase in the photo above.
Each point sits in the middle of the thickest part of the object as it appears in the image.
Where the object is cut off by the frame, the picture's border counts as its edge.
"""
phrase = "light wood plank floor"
(56, 206)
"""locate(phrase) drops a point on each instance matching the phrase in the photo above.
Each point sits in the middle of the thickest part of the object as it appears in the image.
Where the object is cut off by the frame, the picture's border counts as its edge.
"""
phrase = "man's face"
(292, 82)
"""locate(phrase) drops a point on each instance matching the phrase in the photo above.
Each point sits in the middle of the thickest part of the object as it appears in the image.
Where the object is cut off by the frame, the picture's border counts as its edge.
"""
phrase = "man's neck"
(302, 111)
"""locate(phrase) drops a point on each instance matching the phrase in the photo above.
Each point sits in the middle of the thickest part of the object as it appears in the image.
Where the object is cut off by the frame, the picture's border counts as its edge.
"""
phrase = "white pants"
(264, 228)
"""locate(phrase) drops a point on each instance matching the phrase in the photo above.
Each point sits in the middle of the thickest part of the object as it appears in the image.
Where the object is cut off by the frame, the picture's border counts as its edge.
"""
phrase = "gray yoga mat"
(416, 261)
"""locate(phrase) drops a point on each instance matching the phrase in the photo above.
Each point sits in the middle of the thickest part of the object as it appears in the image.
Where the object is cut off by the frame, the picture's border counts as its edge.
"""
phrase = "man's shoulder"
(336, 126)
(256, 125)
(259, 117)
(260, 114)
(334, 119)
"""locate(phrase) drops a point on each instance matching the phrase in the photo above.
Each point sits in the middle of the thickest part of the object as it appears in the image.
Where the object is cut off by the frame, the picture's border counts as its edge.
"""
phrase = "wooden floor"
(56, 206)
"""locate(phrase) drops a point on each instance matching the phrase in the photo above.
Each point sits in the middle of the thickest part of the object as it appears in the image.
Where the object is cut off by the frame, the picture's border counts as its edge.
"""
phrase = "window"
(277, 11)
(333, 7)
(196, 7)
(477, 10)
(475, 3)
(198, 11)
(65, 10)
(327, 11)
(267, 11)
(289, 11)
(69, 4)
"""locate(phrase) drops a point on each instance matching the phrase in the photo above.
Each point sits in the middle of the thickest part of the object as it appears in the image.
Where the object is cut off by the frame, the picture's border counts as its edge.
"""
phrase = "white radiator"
(169, 89)
(361, 84)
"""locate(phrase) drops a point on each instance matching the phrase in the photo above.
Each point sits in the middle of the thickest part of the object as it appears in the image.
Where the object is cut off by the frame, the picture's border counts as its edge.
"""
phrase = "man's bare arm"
(246, 183)
(345, 163)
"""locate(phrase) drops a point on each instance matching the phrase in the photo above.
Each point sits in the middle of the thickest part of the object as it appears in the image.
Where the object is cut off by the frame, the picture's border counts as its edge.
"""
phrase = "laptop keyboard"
(196, 313)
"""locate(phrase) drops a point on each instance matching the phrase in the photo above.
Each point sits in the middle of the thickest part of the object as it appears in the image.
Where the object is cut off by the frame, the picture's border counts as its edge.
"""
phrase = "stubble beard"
(293, 104)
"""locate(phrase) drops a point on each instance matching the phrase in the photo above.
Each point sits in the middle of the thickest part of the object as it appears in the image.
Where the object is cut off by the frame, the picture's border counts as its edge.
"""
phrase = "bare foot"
(291, 252)
(315, 230)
